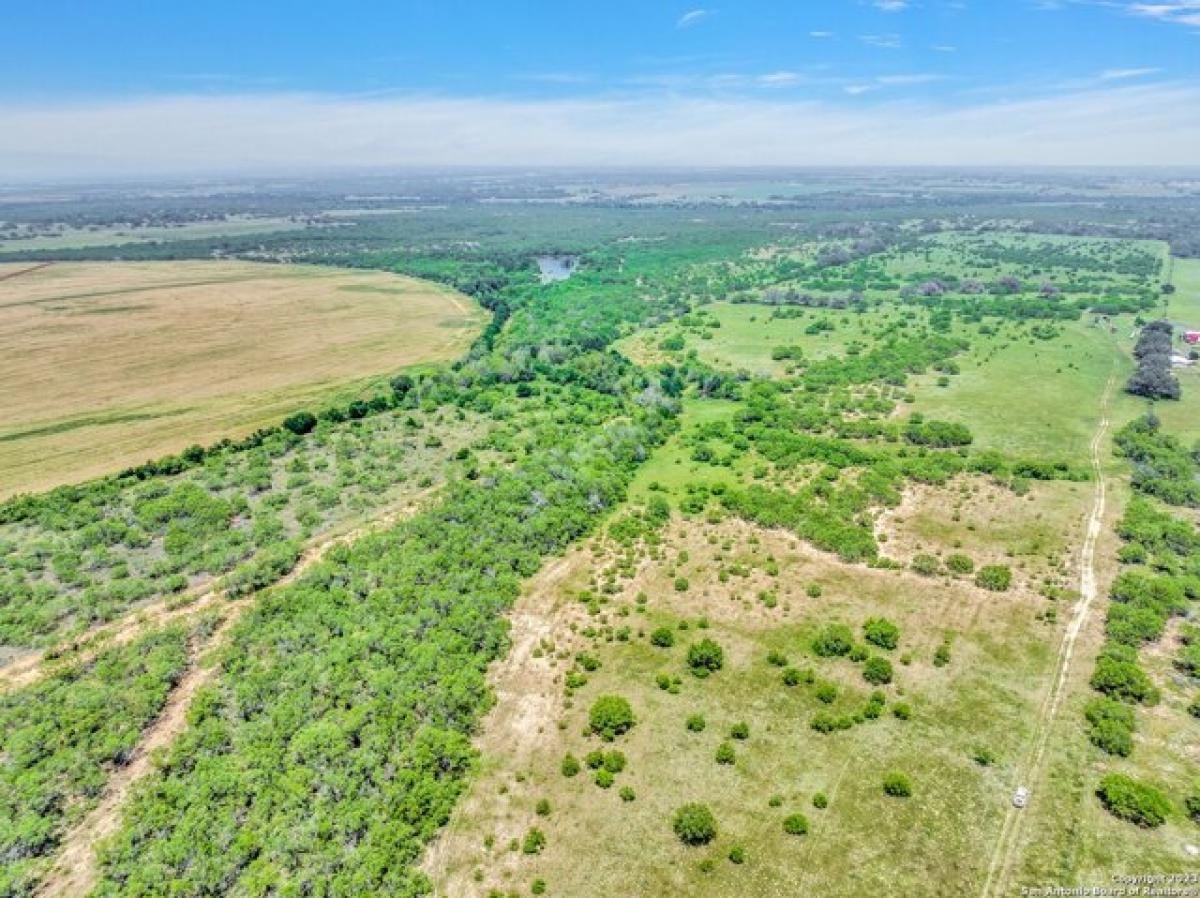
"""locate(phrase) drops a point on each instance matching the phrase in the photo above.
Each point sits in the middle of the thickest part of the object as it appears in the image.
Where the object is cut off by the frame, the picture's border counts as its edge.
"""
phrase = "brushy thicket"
(60, 739)
(1160, 580)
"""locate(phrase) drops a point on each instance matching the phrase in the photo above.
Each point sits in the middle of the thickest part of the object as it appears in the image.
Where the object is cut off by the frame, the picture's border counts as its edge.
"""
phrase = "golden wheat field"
(107, 364)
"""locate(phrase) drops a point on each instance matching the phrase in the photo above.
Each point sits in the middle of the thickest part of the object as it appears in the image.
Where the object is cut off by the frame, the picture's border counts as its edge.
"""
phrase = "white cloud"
(555, 77)
(692, 17)
(891, 5)
(1181, 12)
(885, 41)
(820, 34)
(1123, 74)
(275, 133)
(900, 80)
(779, 79)
(1165, 10)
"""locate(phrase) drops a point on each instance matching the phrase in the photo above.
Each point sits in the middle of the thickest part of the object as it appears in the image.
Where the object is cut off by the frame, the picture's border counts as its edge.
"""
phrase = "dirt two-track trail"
(75, 869)
(1007, 848)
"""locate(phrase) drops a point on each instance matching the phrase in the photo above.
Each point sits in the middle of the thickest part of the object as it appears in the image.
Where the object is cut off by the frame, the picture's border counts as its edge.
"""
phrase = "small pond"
(556, 268)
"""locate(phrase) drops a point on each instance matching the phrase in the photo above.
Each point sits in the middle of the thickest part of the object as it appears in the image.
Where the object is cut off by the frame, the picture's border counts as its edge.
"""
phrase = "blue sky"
(840, 69)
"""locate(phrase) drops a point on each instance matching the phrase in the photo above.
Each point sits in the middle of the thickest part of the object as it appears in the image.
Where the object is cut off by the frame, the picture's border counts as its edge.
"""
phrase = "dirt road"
(1007, 848)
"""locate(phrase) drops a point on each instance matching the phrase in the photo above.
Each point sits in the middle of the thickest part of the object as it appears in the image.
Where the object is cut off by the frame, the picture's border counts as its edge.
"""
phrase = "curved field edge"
(137, 360)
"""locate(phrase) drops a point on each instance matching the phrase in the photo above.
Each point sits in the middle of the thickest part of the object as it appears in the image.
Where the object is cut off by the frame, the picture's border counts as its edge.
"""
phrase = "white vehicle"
(1020, 797)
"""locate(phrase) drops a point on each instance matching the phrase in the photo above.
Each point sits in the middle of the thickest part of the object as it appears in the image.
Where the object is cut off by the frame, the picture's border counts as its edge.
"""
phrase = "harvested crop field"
(110, 364)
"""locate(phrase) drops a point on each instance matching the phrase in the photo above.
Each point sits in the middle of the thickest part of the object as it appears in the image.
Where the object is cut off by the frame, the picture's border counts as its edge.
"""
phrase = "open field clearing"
(864, 842)
(110, 364)
(1096, 261)
(67, 237)
(1032, 397)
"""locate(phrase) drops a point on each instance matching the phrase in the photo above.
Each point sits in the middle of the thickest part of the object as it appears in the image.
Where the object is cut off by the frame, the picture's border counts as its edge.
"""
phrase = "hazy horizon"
(179, 90)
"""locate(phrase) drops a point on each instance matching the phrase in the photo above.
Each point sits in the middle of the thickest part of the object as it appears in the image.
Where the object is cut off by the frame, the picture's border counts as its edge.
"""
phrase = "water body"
(556, 268)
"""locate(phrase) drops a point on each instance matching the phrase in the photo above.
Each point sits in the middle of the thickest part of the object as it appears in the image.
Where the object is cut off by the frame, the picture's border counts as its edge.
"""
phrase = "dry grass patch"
(1036, 534)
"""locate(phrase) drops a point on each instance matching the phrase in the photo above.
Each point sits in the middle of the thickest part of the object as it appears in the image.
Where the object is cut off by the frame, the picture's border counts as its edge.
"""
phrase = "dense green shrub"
(941, 655)
(694, 824)
(824, 722)
(937, 434)
(695, 723)
(570, 765)
(984, 757)
(1110, 726)
(959, 563)
(1133, 801)
(614, 761)
(877, 670)
(881, 632)
(1162, 467)
(705, 657)
(833, 640)
(1118, 675)
(663, 637)
(534, 841)
(994, 577)
(61, 739)
(795, 824)
(587, 662)
(1191, 804)
(897, 785)
(725, 753)
(820, 801)
(740, 730)
(611, 716)
(300, 423)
